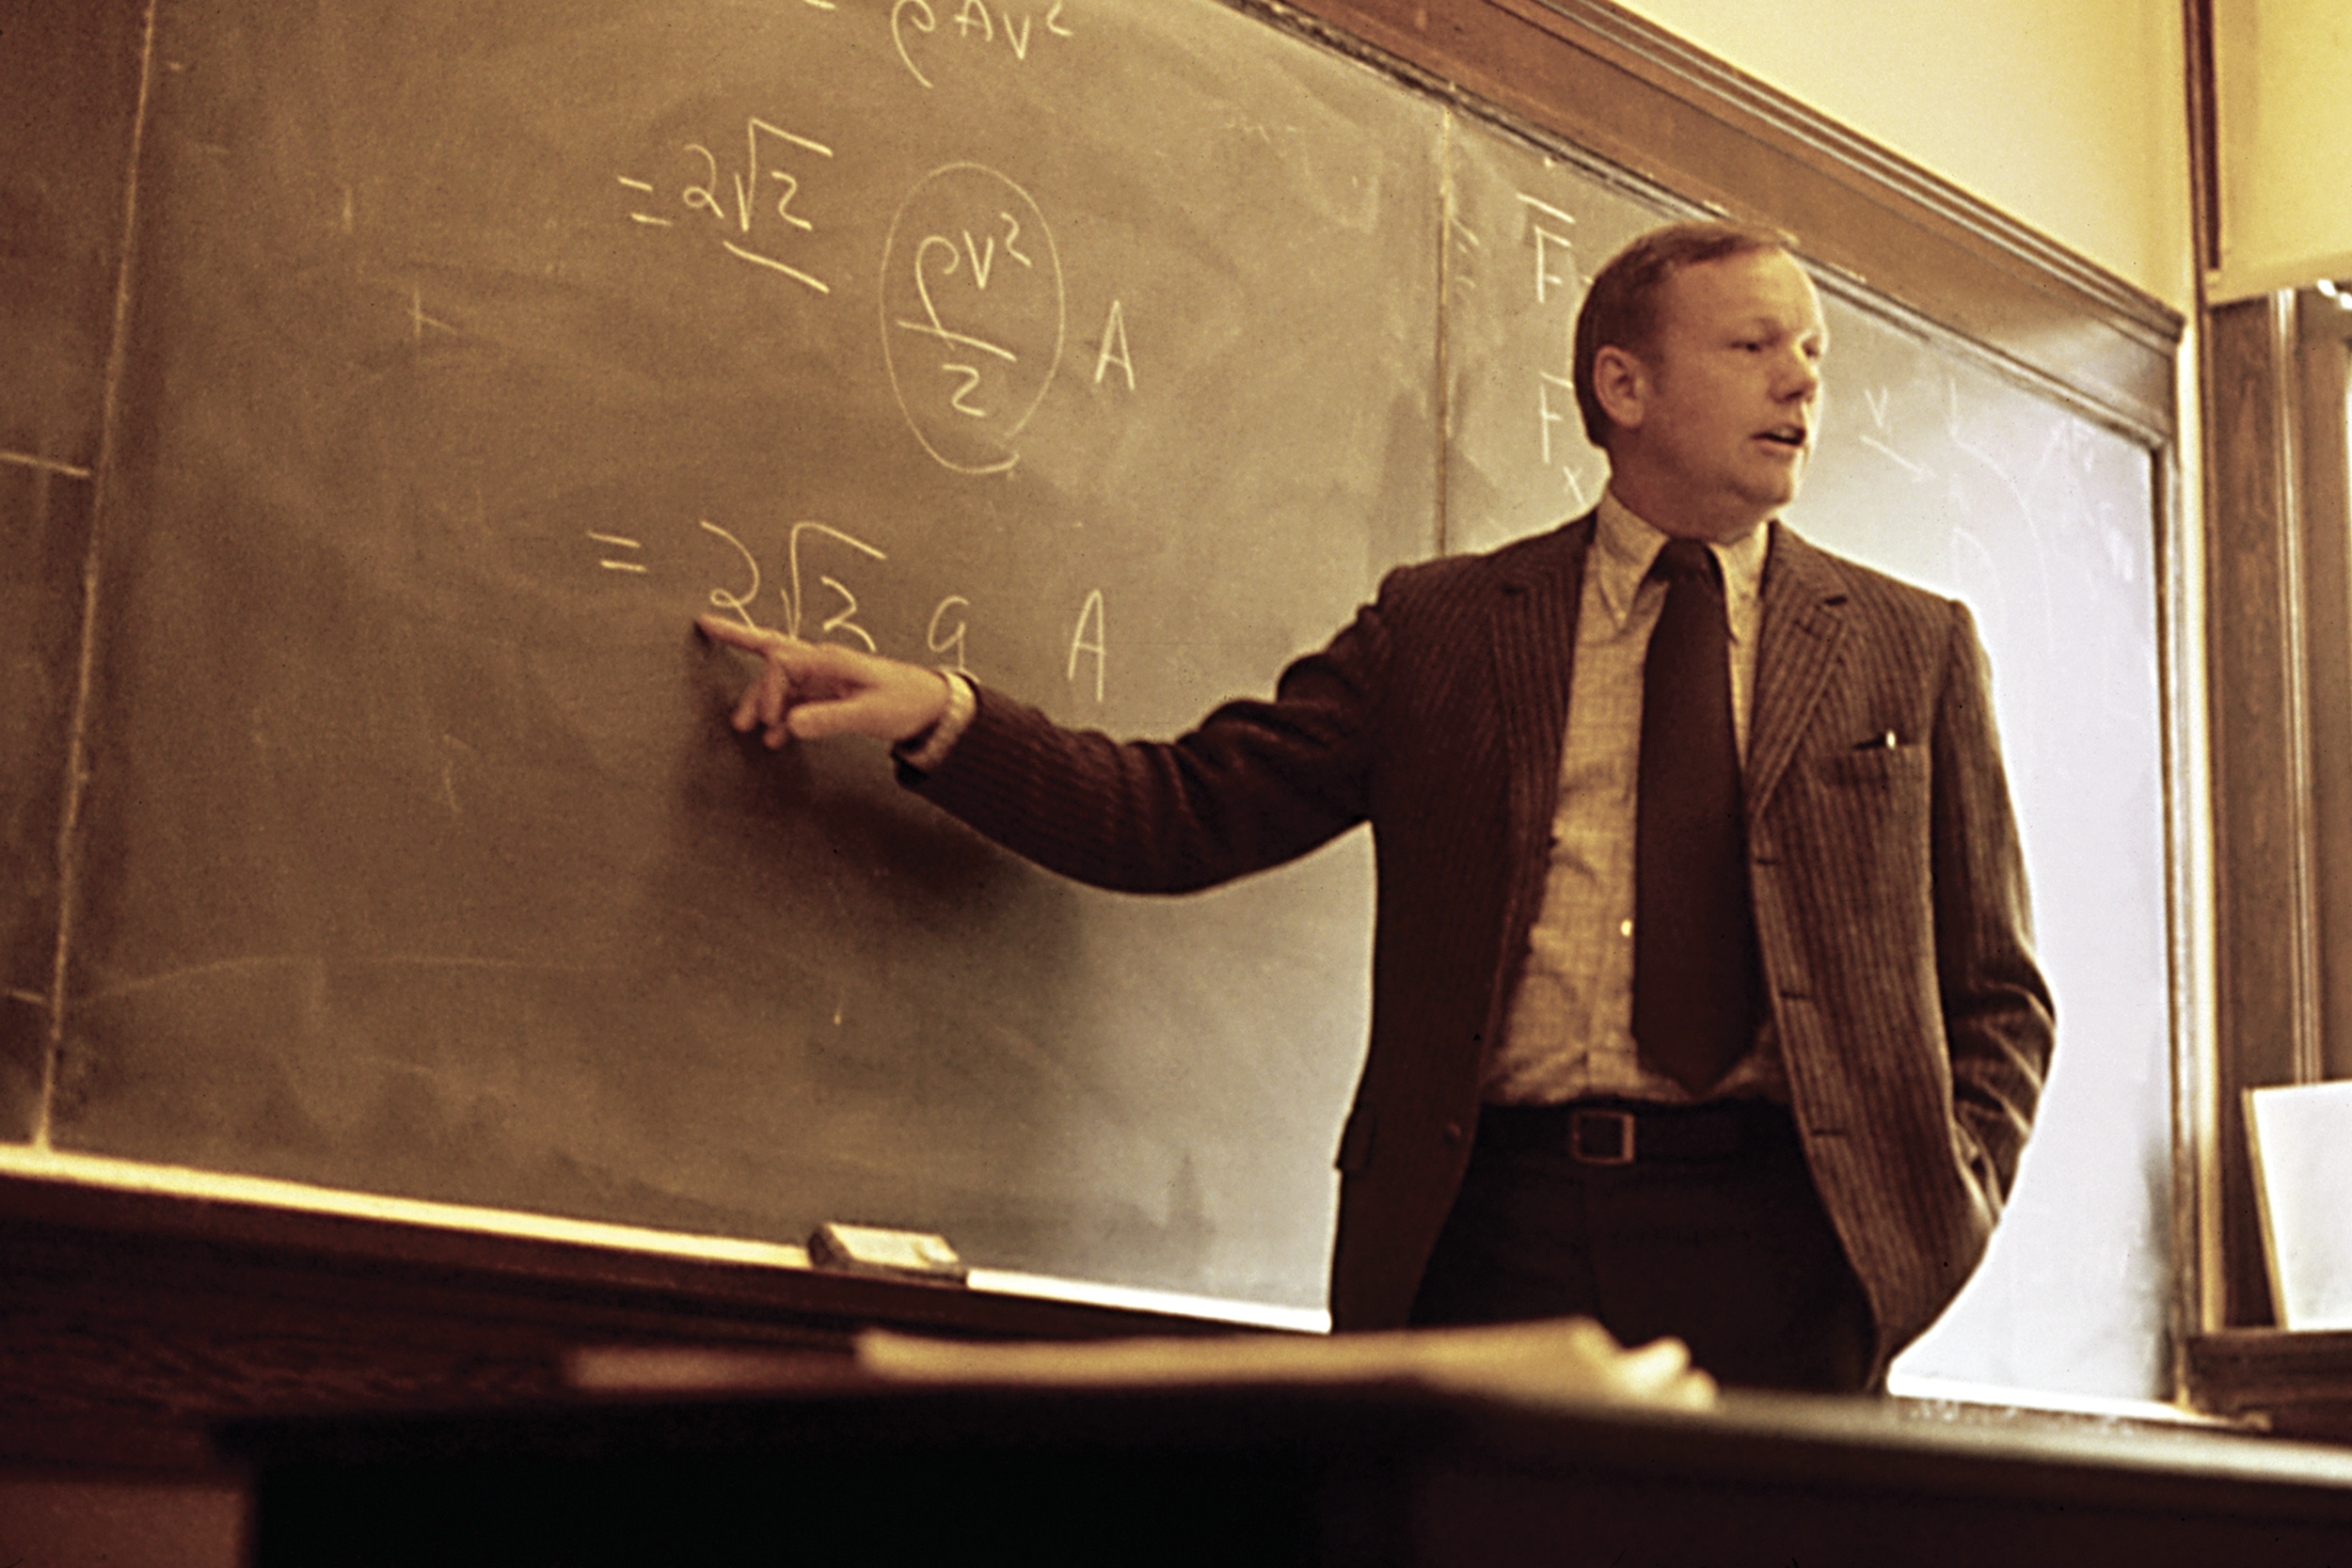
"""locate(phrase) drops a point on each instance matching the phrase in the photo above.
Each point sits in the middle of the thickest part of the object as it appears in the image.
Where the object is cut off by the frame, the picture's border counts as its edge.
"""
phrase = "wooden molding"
(2205, 133)
(2265, 995)
(2321, 380)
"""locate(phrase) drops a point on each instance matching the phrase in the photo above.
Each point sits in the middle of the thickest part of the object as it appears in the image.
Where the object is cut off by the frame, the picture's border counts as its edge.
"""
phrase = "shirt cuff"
(925, 752)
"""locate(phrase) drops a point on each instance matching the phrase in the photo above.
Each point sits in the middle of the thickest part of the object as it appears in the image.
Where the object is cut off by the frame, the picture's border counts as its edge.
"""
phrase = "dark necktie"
(1696, 981)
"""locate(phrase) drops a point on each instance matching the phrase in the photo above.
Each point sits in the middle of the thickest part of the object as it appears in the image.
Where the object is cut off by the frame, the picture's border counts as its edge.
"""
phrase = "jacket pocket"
(1901, 768)
(1855, 826)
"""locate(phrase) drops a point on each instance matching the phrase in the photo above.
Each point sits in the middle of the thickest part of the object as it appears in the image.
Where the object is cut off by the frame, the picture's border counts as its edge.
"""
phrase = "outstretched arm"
(810, 690)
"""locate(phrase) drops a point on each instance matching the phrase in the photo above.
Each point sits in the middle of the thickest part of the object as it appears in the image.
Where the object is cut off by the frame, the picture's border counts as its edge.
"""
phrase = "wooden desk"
(134, 1323)
(130, 1322)
(2298, 1385)
(1366, 1475)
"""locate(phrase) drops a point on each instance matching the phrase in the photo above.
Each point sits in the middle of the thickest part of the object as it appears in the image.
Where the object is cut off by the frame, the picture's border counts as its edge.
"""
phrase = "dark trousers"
(1699, 1223)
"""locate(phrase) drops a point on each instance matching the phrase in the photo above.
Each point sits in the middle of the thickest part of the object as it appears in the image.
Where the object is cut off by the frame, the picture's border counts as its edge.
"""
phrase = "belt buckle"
(1615, 1148)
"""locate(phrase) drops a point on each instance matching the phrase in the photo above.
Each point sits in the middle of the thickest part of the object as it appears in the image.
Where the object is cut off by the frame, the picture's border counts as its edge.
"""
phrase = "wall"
(2049, 112)
(2283, 123)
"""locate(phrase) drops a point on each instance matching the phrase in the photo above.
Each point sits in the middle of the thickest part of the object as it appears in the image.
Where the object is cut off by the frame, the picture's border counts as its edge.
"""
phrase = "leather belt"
(1626, 1131)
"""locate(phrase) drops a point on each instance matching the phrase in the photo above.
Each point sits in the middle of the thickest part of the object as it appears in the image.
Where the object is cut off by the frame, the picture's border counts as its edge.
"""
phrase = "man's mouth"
(1791, 436)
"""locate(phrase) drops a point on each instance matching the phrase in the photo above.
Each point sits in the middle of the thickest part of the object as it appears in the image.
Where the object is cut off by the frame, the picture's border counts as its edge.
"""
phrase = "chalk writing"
(2040, 586)
(1089, 615)
(1877, 399)
(1114, 348)
(972, 315)
(1462, 273)
(1548, 227)
(647, 187)
(44, 465)
(796, 597)
(794, 594)
(617, 542)
(1917, 470)
(418, 321)
(820, 603)
(753, 206)
(953, 642)
(1546, 415)
(973, 23)
(740, 604)
(1555, 284)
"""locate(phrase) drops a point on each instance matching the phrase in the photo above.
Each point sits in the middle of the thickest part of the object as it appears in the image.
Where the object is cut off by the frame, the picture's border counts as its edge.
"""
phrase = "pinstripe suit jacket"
(1889, 891)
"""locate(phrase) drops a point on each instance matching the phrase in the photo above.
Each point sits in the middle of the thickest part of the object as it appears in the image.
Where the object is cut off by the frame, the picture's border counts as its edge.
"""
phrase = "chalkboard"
(476, 351)
(1109, 351)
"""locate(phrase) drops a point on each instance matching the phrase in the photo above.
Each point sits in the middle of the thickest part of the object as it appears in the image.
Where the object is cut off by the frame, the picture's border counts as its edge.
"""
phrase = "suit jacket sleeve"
(1255, 784)
(1997, 1012)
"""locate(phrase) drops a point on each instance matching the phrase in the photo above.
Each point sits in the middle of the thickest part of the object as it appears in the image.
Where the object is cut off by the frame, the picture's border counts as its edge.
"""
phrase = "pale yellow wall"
(2067, 115)
(2285, 126)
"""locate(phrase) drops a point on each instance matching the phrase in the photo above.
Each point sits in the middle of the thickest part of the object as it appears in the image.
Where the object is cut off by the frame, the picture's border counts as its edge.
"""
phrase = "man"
(1703, 999)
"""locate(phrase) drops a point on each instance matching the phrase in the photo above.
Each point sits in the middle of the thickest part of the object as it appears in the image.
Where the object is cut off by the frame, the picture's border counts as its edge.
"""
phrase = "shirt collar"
(1624, 545)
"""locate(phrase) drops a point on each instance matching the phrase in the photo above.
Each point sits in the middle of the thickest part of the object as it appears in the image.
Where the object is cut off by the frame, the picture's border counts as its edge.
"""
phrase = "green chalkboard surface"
(478, 349)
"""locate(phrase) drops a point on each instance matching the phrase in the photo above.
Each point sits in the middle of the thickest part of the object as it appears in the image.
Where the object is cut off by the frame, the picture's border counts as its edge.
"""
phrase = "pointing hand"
(810, 690)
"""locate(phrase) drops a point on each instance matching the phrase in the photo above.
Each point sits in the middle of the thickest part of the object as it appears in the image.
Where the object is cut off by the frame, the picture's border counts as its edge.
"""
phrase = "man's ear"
(1622, 383)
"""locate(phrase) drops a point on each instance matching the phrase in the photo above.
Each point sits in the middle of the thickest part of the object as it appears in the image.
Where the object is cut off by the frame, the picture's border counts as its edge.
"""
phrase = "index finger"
(719, 628)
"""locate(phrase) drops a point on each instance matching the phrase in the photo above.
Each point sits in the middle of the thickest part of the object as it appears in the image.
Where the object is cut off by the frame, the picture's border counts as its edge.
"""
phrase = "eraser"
(873, 1249)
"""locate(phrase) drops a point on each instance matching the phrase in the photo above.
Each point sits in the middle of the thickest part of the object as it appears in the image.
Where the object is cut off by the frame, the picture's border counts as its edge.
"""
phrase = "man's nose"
(1800, 378)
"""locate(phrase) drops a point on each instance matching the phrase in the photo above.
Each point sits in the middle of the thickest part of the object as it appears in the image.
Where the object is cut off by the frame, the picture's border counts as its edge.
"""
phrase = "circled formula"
(972, 314)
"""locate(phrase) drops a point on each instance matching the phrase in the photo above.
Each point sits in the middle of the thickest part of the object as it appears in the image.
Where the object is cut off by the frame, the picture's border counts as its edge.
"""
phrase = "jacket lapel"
(1534, 634)
(1804, 622)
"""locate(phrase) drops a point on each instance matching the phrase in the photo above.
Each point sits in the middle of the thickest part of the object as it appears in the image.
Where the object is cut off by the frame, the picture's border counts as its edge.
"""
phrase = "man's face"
(1731, 396)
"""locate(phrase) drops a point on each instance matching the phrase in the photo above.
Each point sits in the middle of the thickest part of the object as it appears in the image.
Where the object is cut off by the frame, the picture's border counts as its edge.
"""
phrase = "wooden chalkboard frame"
(1575, 73)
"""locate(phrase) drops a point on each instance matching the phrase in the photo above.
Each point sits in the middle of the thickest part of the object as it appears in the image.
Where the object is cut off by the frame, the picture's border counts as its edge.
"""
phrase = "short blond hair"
(1620, 309)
